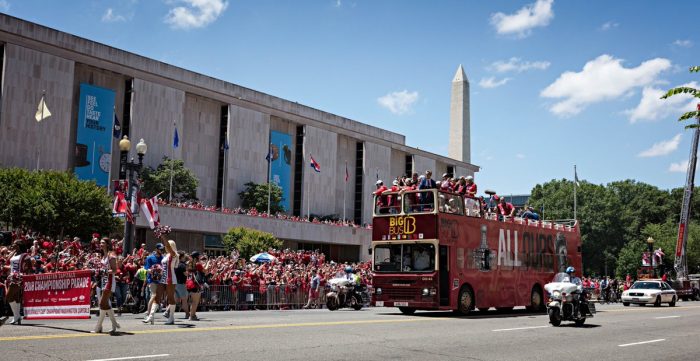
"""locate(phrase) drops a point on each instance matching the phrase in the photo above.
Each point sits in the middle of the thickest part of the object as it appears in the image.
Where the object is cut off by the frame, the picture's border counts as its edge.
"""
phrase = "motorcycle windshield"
(561, 277)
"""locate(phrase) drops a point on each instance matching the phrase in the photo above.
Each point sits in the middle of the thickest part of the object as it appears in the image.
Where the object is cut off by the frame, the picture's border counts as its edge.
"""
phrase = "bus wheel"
(536, 304)
(466, 300)
(407, 310)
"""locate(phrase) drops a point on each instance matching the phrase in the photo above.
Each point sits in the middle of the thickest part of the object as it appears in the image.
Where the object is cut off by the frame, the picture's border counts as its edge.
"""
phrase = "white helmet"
(379, 182)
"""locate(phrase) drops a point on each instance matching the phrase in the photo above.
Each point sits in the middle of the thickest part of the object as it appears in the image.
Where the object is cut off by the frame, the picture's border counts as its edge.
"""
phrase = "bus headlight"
(426, 292)
(378, 292)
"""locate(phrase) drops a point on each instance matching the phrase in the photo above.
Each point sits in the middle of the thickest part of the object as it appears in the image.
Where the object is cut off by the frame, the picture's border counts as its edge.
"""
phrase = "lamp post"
(130, 168)
(650, 244)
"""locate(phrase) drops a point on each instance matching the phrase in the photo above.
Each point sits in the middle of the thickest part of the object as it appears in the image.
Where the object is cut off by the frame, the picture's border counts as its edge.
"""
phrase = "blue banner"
(281, 165)
(93, 148)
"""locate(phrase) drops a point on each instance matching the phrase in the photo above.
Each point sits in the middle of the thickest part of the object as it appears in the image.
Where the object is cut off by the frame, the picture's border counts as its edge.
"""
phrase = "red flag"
(149, 208)
(119, 205)
(315, 165)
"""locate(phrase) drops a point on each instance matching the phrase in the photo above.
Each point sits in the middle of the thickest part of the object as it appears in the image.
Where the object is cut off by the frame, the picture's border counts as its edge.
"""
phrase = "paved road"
(372, 334)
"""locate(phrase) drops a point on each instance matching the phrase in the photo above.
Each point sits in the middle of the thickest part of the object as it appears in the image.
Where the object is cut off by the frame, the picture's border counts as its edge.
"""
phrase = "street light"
(131, 168)
(650, 243)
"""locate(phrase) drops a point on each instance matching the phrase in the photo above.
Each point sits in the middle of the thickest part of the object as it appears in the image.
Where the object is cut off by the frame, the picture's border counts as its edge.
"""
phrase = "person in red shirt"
(470, 186)
(381, 201)
(505, 209)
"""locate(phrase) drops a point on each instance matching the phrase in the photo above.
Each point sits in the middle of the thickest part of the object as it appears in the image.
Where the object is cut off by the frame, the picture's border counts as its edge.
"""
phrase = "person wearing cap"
(381, 201)
(155, 286)
(394, 199)
(470, 187)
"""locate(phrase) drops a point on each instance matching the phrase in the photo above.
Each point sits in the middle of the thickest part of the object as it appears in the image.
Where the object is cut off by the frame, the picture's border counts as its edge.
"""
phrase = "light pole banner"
(58, 295)
(93, 148)
(281, 164)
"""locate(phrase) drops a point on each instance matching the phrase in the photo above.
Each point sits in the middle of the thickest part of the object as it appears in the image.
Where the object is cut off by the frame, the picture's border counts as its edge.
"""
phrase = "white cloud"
(680, 167)
(195, 13)
(4, 6)
(491, 82)
(110, 17)
(603, 78)
(338, 3)
(609, 25)
(399, 103)
(524, 20)
(516, 64)
(683, 43)
(651, 107)
(662, 148)
(520, 156)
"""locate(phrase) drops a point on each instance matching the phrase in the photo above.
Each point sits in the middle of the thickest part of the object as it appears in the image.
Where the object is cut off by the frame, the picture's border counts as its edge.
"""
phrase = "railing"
(271, 297)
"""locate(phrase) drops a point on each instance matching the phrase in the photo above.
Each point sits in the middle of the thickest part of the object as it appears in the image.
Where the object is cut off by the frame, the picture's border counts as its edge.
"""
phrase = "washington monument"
(460, 144)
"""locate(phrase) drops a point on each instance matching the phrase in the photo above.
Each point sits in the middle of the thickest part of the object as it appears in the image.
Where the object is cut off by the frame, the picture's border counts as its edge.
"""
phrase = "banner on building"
(281, 164)
(93, 148)
(60, 295)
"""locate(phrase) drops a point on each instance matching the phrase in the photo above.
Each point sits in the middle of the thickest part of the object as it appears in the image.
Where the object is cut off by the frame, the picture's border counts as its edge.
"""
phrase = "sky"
(553, 83)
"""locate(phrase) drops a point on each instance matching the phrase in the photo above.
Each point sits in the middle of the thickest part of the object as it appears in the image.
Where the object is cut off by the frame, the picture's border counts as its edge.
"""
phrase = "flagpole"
(345, 188)
(269, 175)
(223, 175)
(308, 196)
(172, 167)
(575, 186)
(42, 103)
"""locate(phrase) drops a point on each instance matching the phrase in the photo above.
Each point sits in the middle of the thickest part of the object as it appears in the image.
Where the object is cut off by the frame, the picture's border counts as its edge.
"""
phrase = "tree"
(255, 196)
(54, 203)
(249, 241)
(690, 91)
(157, 181)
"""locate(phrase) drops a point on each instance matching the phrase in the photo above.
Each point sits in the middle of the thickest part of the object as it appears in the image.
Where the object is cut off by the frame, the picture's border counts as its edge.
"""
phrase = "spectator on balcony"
(505, 209)
(530, 214)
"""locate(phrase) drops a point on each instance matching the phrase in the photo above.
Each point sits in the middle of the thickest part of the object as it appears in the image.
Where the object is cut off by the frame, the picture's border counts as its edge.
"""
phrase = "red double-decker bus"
(439, 251)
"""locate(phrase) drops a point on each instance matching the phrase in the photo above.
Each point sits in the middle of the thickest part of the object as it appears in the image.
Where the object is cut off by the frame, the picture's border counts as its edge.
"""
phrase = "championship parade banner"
(60, 295)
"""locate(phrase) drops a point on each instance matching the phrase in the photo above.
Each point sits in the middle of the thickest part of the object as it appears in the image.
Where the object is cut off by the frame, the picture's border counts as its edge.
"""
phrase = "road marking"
(131, 357)
(649, 309)
(518, 328)
(641, 343)
(659, 318)
(221, 328)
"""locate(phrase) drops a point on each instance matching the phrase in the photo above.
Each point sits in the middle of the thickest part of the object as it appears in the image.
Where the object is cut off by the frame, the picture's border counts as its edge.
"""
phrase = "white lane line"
(641, 343)
(518, 328)
(660, 318)
(131, 358)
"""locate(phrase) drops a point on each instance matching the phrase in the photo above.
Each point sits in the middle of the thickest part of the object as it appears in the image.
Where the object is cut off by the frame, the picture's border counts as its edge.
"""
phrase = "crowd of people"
(253, 212)
(140, 273)
(463, 186)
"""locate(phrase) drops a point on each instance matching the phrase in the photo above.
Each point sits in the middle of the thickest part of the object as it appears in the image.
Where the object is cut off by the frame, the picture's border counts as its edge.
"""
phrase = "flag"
(117, 131)
(347, 175)
(119, 205)
(315, 165)
(42, 111)
(269, 155)
(576, 178)
(176, 139)
(149, 208)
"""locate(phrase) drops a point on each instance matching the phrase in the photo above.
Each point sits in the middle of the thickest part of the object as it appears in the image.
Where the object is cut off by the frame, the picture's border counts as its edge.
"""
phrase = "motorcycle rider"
(352, 276)
(577, 281)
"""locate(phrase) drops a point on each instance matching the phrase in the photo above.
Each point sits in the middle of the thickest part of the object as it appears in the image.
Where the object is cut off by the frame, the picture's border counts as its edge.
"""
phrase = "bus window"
(419, 201)
(387, 203)
(404, 257)
(472, 207)
(450, 203)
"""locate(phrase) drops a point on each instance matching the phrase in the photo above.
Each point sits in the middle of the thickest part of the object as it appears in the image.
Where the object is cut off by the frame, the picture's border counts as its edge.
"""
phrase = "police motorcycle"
(343, 292)
(567, 301)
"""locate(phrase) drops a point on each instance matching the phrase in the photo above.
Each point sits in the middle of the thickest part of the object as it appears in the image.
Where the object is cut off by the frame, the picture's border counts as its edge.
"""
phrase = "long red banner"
(58, 295)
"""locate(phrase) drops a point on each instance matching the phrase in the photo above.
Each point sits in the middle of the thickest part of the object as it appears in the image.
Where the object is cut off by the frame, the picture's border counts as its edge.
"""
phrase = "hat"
(195, 254)
(379, 182)
(159, 246)
(445, 175)
(395, 182)
(470, 177)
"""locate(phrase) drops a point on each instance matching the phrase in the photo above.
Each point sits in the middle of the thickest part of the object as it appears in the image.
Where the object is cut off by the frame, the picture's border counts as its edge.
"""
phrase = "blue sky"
(553, 83)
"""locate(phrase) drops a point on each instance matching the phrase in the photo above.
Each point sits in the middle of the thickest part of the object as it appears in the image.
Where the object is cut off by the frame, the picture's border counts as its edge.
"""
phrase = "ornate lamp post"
(650, 244)
(130, 168)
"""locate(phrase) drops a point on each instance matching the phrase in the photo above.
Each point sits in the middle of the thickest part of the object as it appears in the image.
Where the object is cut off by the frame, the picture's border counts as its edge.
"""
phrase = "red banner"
(59, 295)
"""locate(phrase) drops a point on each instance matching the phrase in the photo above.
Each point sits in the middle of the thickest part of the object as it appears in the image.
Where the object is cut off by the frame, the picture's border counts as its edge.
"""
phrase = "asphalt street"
(616, 333)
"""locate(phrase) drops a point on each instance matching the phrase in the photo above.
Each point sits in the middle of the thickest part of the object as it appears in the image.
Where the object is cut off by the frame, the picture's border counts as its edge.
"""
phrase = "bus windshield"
(413, 257)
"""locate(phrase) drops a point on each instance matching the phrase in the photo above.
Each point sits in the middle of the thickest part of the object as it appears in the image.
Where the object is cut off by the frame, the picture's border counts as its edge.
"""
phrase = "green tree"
(255, 196)
(54, 203)
(249, 241)
(157, 180)
(690, 91)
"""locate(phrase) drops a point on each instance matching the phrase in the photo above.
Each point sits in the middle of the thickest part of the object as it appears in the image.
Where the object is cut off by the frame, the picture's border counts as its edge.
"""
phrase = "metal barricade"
(270, 297)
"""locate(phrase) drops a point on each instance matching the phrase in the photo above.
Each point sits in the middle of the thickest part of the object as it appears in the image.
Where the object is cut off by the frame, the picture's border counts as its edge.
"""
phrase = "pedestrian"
(169, 264)
(313, 289)
(196, 273)
(19, 264)
(108, 284)
(154, 280)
